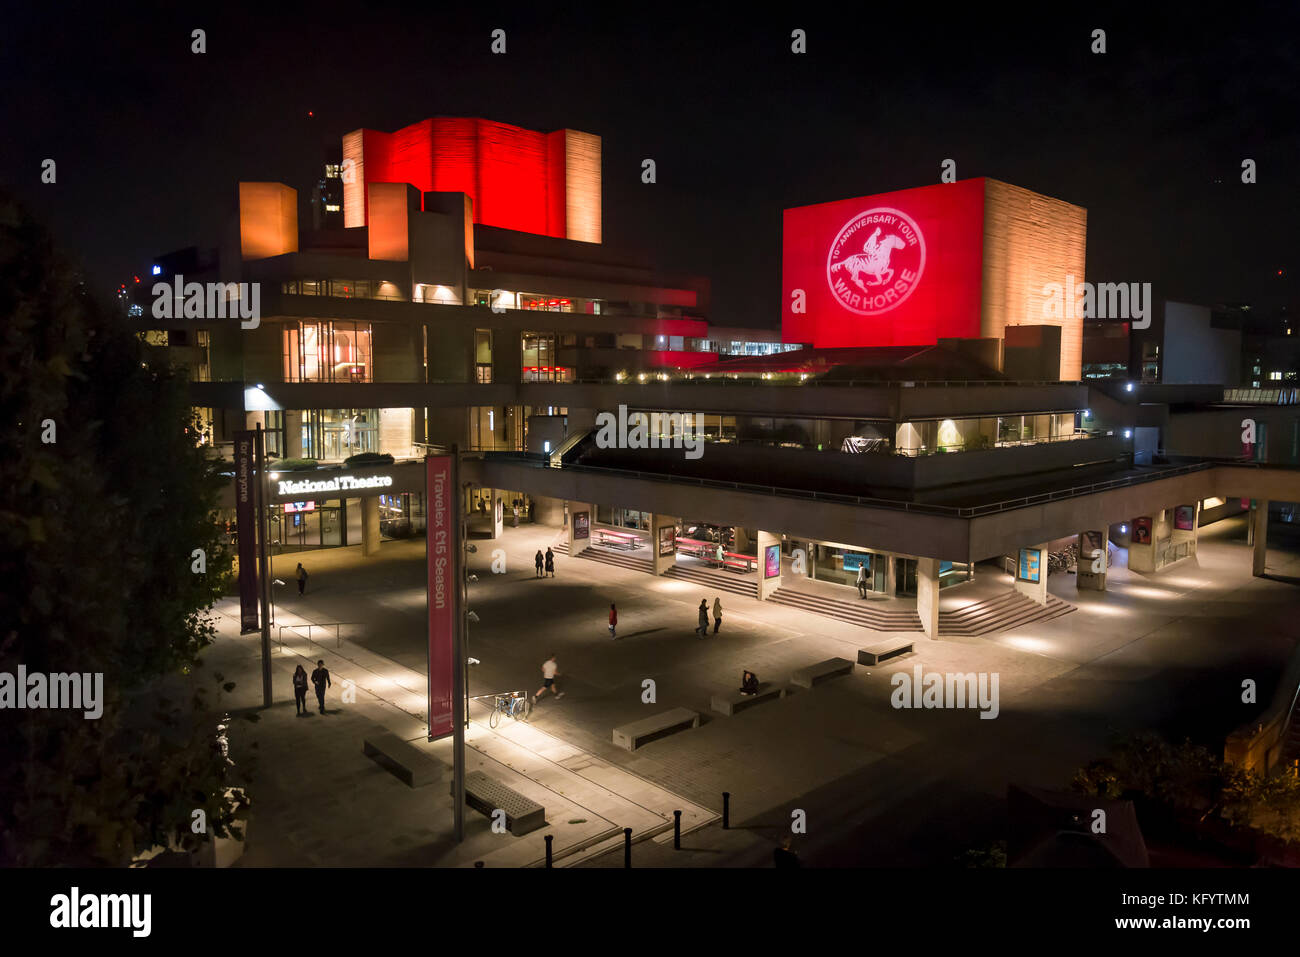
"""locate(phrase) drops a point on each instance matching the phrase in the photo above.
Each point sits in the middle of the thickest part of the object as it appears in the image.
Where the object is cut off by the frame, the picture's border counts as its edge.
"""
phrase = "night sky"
(151, 140)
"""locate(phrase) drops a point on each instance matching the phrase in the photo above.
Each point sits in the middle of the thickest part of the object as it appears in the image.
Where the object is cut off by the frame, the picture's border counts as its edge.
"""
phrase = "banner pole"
(264, 562)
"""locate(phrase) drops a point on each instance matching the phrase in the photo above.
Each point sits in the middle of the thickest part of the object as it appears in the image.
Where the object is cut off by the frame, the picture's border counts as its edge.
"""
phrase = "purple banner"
(246, 530)
(443, 516)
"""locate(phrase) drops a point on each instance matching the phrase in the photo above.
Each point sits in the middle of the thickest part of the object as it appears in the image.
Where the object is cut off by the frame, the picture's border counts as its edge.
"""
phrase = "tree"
(106, 494)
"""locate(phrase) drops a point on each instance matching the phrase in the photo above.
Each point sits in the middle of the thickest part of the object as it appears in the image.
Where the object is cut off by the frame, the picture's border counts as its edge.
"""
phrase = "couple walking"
(320, 678)
(545, 565)
(703, 629)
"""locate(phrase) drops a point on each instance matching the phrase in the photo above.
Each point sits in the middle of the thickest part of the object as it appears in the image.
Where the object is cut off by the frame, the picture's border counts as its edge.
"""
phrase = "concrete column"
(1259, 534)
(927, 595)
(292, 435)
(582, 516)
(1085, 578)
(1031, 589)
(767, 585)
(891, 575)
(663, 562)
(1188, 536)
(370, 525)
(550, 511)
(498, 509)
(742, 539)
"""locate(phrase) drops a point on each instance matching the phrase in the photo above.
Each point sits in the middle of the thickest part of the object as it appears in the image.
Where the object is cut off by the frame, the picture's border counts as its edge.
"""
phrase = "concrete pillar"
(292, 435)
(742, 539)
(927, 595)
(550, 511)
(1029, 566)
(498, 509)
(1090, 572)
(1259, 534)
(370, 525)
(663, 542)
(1187, 536)
(582, 516)
(766, 585)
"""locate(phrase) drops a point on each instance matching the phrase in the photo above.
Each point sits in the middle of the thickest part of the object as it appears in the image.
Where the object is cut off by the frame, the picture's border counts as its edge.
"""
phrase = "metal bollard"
(549, 838)
(726, 810)
(627, 847)
(677, 830)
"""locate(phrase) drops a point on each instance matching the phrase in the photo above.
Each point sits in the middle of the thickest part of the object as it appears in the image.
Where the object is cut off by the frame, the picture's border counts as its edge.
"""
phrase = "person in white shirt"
(550, 671)
(862, 580)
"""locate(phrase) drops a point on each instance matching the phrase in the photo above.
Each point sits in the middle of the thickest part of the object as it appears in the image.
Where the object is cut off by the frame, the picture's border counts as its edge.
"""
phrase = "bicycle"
(515, 705)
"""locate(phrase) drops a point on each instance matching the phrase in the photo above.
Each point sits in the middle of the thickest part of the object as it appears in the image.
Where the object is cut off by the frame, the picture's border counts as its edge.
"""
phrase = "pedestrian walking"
(537, 564)
(302, 579)
(721, 554)
(550, 671)
(321, 679)
(862, 580)
(514, 511)
(703, 627)
(717, 614)
(550, 562)
(613, 619)
(300, 690)
(784, 857)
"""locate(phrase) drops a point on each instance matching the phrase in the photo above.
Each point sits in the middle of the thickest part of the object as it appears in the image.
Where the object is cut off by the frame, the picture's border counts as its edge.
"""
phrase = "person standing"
(717, 613)
(550, 562)
(721, 555)
(321, 679)
(784, 857)
(862, 580)
(300, 690)
(537, 564)
(514, 512)
(302, 579)
(550, 671)
(703, 627)
(613, 619)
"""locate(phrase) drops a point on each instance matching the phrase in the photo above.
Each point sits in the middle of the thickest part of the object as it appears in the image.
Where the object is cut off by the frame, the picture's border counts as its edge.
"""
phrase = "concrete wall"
(1196, 353)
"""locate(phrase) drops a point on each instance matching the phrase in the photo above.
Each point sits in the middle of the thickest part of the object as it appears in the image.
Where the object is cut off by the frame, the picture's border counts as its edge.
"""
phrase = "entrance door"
(905, 576)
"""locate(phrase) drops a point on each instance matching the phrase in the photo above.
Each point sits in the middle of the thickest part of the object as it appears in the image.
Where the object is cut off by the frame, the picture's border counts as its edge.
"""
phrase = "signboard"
(581, 524)
(246, 529)
(299, 507)
(339, 483)
(772, 562)
(668, 540)
(855, 560)
(894, 269)
(1185, 517)
(444, 580)
(1031, 562)
(1142, 531)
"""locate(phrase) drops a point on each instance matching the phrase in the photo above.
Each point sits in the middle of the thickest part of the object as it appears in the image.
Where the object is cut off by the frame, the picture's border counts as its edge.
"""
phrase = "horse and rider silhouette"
(873, 261)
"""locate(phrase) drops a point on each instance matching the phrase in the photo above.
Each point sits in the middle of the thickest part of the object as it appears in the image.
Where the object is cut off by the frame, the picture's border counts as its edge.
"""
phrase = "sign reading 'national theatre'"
(340, 483)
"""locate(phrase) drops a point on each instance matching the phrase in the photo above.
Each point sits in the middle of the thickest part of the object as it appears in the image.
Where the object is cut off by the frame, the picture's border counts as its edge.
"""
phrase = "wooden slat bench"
(403, 759)
(487, 795)
(875, 654)
(729, 704)
(637, 733)
(808, 676)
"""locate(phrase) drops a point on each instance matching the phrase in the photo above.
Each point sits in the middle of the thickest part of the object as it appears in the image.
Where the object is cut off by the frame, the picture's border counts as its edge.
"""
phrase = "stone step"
(1000, 614)
(875, 619)
(613, 558)
(715, 580)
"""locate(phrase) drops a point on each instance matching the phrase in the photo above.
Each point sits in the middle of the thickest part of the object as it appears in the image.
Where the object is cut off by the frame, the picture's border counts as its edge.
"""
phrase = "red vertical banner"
(246, 529)
(443, 561)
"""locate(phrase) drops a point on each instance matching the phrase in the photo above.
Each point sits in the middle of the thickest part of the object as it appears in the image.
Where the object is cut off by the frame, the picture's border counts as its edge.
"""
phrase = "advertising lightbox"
(894, 269)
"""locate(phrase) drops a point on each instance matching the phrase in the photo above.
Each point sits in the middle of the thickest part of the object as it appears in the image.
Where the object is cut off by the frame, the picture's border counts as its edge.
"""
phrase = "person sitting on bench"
(749, 683)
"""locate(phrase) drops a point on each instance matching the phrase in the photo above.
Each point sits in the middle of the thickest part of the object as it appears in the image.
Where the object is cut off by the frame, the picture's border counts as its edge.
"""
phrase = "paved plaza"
(879, 786)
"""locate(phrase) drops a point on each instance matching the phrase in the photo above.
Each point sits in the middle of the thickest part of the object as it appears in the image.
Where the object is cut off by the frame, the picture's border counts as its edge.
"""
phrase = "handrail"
(336, 625)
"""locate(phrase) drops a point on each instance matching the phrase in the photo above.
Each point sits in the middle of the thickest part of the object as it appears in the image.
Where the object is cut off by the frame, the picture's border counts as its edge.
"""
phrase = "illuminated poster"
(443, 582)
(581, 524)
(668, 540)
(1142, 531)
(1185, 517)
(246, 528)
(772, 562)
(894, 269)
(1092, 543)
(855, 560)
(1031, 560)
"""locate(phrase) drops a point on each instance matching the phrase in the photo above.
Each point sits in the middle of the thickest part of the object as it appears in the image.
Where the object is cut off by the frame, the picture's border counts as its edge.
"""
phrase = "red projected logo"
(877, 273)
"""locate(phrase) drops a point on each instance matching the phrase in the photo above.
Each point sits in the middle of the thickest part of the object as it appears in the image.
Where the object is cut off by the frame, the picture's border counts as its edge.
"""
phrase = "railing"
(723, 377)
(836, 497)
(336, 625)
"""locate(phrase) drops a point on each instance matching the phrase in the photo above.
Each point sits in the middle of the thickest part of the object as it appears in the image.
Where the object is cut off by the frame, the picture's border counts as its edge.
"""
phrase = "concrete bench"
(487, 795)
(403, 759)
(632, 736)
(875, 654)
(812, 674)
(729, 704)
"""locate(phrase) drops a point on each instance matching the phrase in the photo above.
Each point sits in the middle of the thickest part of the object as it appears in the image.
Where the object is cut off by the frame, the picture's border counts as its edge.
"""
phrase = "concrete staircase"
(857, 612)
(714, 580)
(607, 557)
(999, 614)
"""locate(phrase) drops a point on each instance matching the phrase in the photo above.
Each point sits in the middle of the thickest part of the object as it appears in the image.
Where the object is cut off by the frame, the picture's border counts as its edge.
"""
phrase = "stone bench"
(875, 654)
(729, 704)
(632, 736)
(403, 759)
(810, 675)
(487, 795)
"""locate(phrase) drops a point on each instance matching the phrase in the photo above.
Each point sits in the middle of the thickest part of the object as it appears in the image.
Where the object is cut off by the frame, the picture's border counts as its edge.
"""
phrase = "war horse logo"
(873, 261)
